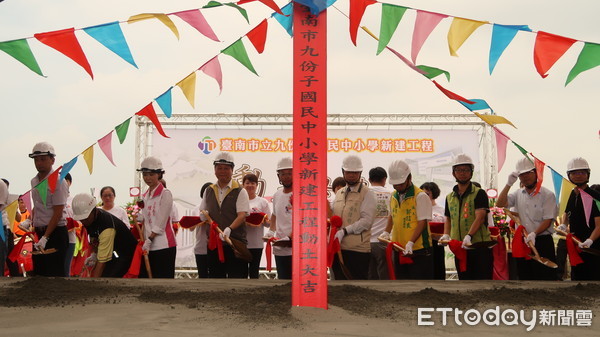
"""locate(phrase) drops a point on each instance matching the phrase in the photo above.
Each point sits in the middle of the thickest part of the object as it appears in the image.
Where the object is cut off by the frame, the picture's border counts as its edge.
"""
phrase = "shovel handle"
(143, 238)
(397, 247)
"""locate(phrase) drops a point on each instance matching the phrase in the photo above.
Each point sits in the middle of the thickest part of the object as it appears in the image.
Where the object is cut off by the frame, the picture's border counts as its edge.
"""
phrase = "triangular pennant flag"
(105, 144)
(165, 102)
(479, 104)
(539, 171)
(66, 168)
(238, 52)
(405, 60)
(11, 212)
(19, 49)
(195, 19)
(53, 179)
(588, 58)
(111, 36)
(459, 32)
(162, 17)
(188, 87)
(521, 149)
(66, 42)
(42, 189)
(494, 119)
(286, 20)
(557, 181)
(27, 198)
(390, 18)
(212, 68)
(587, 201)
(149, 112)
(242, 11)
(315, 6)
(122, 129)
(450, 94)
(565, 192)
(548, 49)
(258, 36)
(501, 141)
(502, 36)
(357, 10)
(212, 4)
(88, 156)
(431, 72)
(269, 3)
(424, 25)
(2, 233)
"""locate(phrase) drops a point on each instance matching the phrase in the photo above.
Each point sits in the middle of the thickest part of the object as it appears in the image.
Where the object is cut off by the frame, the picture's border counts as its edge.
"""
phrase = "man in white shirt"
(378, 265)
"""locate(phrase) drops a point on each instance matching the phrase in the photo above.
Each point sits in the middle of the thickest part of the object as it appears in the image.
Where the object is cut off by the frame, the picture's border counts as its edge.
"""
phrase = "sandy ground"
(84, 307)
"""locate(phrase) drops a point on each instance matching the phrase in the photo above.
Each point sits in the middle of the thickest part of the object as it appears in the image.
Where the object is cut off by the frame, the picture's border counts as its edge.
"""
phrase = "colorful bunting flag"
(149, 112)
(105, 144)
(315, 6)
(450, 94)
(269, 3)
(406, 61)
(479, 104)
(88, 156)
(161, 17)
(565, 192)
(587, 201)
(27, 198)
(258, 36)
(501, 141)
(502, 36)
(240, 9)
(165, 102)
(42, 189)
(548, 49)
(390, 18)
(357, 10)
(212, 68)
(588, 58)
(188, 87)
(122, 129)
(557, 182)
(11, 212)
(286, 20)
(195, 19)
(66, 168)
(424, 25)
(522, 150)
(539, 171)
(53, 179)
(111, 36)
(431, 72)
(459, 32)
(494, 119)
(66, 42)
(238, 52)
(20, 51)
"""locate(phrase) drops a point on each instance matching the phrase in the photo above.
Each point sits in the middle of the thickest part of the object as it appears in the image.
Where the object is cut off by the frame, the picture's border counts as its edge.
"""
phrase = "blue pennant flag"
(557, 181)
(502, 36)
(479, 105)
(111, 36)
(66, 169)
(164, 101)
(286, 21)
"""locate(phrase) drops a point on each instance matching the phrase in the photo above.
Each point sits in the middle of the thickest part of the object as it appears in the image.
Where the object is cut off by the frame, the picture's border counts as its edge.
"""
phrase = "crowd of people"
(77, 236)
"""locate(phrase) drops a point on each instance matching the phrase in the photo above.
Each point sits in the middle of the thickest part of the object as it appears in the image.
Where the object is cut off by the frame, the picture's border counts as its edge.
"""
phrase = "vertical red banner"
(309, 261)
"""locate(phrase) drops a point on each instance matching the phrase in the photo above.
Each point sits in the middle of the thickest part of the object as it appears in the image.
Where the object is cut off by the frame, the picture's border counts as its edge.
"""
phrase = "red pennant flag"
(66, 42)
(548, 49)
(149, 112)
(258, 36)
(452, 95)
(539, 171)
(357, 10)
(269, 3)
(52, 179)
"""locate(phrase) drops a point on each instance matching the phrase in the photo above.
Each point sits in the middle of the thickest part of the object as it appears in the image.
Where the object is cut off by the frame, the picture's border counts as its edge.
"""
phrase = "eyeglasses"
(465, 170)
(579, 172)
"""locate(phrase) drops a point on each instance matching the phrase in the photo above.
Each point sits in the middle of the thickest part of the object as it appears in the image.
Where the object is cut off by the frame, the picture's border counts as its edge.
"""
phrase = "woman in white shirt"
(107, 193)
(254, 234)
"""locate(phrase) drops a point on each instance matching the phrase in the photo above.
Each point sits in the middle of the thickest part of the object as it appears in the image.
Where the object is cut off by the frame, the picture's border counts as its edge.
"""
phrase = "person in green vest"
(410, 209)
(466, 220)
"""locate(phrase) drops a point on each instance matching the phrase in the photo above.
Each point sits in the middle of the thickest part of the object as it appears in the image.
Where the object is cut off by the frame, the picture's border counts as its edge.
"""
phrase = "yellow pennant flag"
(459, 32)
(88, 156)
(162, 17)
(11, 212)
(494, 119)
(565, 192)
(188, 87)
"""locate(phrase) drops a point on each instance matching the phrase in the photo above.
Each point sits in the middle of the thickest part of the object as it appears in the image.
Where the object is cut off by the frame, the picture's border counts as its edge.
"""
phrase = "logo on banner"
(207, 145)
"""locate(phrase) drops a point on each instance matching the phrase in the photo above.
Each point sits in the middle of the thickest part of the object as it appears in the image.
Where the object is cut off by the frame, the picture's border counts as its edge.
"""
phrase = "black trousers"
(480, 264)
(420, 269)
(52, 264)
(162, 263)
(254, 265)
(118, 266)
(532, 270)
(439, 261)
(588, 270)
(202, 265)
(284, 267)
(231, 268)
(357, 264)
(561, 259)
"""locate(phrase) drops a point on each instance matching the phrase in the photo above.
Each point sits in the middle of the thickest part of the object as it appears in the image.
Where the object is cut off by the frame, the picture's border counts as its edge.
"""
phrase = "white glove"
(90, 262)
(466, 241)
(25, 225)
(226, 233)
(146, 246)
(444, 237)
(563, 227)
(408, 248)
(531, 237)
(270, 234)
(586, 244)
(512, 178)
(385, 236)
(41, 244)
(340, 235)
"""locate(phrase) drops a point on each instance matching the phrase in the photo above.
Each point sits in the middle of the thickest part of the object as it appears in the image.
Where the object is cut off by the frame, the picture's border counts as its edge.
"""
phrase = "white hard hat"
(398, 171)
(524, 165)
(151, 164)
(352, 164)
(284, 164)
(3, 193)
(42, 149)
(224, 158)
(577, 163)
(83, 204)
(462, 159)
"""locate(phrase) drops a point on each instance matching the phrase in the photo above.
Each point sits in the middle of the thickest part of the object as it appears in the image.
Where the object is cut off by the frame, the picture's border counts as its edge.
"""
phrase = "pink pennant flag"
(587, 201)
(501, 141)
(548, 49)
(105, 144)
(195, 19)
(425, 23)
(212, 68)
(27, 199)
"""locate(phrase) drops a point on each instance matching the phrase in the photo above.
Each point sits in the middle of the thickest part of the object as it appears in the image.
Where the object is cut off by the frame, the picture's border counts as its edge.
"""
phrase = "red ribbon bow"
(460, 253)
(573, 251)
(333, 245)
(519, 247)
(214, 242)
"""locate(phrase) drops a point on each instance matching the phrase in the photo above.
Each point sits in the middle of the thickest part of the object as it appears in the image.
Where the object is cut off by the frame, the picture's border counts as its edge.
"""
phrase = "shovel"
(40, 251)
(536, 255)
(577, 241)
(239, 248)
(480, 244)
(397, 247)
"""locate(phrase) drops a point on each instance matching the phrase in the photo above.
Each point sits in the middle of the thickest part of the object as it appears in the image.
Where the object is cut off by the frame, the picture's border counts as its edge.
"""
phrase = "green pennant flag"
(19, 49)
(242, 11)
(588, 59)
(211, 4)
(390, 18)
(523, 151)
(238, 52)
(122, 129)
(431, 72)
(42, 189)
